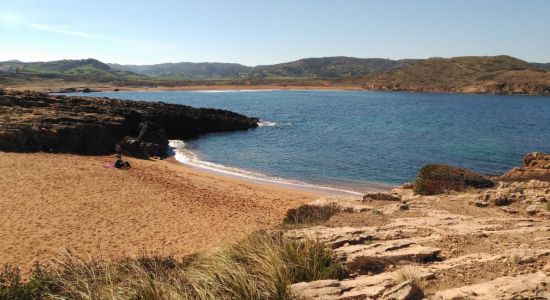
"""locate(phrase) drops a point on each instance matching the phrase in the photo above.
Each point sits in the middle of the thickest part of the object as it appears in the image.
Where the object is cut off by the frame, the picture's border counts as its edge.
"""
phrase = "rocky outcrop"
(85, 125)
(536, 165)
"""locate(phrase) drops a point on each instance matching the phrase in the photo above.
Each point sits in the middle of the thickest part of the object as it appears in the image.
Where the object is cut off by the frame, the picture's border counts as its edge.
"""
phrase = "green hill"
(324, 67)
(330, 67)
(187, 70)
(85, 69)
(465, 74)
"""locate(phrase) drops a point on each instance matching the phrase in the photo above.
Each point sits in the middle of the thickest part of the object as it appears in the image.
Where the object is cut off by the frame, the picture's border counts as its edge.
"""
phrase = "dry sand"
(53, 202)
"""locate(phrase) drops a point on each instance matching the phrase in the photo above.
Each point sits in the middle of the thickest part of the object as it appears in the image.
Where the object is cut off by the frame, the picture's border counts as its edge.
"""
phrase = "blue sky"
(254, 32)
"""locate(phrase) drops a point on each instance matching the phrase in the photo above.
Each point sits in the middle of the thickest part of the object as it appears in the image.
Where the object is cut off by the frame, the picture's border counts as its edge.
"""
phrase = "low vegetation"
(436, 179)
(407, 273)
(309, 215)
(262, 266)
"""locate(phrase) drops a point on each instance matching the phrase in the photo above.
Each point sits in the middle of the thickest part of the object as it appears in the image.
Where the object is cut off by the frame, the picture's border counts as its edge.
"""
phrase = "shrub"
(436, 179)
(309, 214)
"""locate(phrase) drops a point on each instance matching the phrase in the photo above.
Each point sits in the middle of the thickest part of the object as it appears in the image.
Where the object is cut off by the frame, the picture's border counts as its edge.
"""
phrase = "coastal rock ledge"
(87, 125)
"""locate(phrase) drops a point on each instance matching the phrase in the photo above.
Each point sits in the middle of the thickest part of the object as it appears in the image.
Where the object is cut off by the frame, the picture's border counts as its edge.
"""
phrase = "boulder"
(134, 147)
(436, 179)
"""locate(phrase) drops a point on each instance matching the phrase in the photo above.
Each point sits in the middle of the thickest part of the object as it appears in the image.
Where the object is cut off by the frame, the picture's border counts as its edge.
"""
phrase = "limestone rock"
(337, 237)
(406, 290)
(528, 286)
(350, 204)
(536, 165)
(532, 209)
(376, 255)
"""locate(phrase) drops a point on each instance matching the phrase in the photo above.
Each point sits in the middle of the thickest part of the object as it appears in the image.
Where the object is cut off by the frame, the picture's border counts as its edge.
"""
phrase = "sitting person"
(119, 163)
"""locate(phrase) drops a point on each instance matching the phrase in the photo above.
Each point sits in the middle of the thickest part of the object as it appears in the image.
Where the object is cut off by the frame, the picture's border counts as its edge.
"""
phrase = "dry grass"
(407, 273)
(262, 266)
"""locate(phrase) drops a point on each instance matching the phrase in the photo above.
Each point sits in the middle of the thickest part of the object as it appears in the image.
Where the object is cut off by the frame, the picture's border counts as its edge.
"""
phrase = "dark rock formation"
(436, 179)
(41, 122)
(536, 165)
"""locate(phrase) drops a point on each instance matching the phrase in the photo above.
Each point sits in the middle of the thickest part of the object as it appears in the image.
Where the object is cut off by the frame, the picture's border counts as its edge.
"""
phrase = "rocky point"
(91, 125)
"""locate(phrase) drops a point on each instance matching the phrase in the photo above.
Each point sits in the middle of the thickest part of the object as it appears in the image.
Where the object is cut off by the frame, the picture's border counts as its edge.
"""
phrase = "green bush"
(12, 286)
(436, 179)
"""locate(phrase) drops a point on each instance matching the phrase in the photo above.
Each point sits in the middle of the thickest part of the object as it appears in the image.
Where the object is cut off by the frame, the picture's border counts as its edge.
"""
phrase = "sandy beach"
(57, 202)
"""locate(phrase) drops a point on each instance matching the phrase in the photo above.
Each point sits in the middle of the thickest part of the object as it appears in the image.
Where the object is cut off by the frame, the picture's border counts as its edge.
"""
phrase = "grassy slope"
(466, 74)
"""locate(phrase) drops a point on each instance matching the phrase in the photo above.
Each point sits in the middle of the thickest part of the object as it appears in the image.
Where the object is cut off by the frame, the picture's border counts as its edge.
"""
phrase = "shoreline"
(178, 155)
(60, 87)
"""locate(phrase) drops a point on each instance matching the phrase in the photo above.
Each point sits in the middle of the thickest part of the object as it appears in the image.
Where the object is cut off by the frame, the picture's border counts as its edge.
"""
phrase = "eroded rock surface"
(442, 247)
(528, 286)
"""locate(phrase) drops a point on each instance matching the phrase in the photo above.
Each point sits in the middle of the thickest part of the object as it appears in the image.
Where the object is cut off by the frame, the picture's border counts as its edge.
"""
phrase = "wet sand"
(51, 203)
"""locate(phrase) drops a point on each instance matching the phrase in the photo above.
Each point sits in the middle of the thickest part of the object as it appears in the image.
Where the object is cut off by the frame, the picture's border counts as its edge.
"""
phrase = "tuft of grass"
(377, 212)
(436, 179)
(309, 214)
(515, 258)
(548, 206)
(407, 273)
(261, 266)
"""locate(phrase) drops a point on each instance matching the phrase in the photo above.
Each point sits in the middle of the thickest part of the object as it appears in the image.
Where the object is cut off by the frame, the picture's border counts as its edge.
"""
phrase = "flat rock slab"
(529, 286)
(381, 286)
(344, 203)
(357, 257)
(337, 237)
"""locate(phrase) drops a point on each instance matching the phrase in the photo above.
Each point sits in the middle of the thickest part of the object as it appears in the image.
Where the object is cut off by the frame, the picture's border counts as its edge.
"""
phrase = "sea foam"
(184, 155)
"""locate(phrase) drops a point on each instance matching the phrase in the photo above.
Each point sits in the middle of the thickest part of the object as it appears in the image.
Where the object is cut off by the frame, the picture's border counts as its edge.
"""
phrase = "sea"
(356, 141)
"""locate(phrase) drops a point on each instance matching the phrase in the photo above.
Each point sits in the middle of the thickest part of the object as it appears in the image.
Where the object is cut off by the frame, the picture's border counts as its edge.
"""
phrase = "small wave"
(264, 123)
(232, 91)
(182, 154)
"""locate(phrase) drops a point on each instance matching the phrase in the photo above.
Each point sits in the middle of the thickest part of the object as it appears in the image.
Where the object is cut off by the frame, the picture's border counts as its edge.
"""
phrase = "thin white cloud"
(56, 29)
(64, 30)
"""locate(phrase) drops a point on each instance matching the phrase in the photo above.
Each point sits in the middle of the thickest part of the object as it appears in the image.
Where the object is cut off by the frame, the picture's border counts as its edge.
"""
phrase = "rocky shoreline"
(95, 126)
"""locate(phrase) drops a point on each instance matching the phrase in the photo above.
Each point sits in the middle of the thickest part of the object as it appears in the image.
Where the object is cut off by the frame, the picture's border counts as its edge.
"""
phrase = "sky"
(259, 32)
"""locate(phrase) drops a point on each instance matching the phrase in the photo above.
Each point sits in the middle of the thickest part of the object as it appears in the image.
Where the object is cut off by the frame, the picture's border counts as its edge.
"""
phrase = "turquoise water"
(353, 139)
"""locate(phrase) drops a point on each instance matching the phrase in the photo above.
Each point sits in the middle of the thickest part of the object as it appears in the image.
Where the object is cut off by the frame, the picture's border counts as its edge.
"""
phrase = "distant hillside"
(325, 67)
(84, 69)
(187, 70)
(330, 67)
(542, 66)
(492, 74)
(469, 74)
